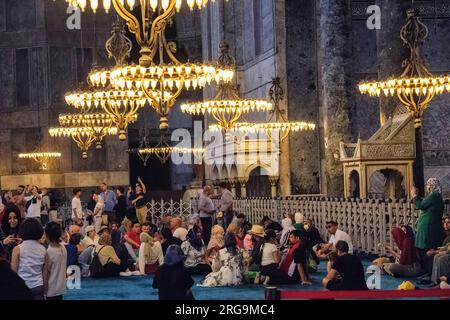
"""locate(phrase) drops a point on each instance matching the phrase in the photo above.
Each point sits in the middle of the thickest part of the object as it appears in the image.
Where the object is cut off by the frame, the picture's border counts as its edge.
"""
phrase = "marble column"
(334, 55)
(391, 51)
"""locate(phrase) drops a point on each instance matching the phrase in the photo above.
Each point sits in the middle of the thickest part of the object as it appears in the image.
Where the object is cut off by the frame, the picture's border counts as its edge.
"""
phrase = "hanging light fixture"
(277, 124)
(121, 105)
(84, 129)
(42, 158)
(158, 70)
(163, 150)
(416, 87)
(143, 133)
(226, 107)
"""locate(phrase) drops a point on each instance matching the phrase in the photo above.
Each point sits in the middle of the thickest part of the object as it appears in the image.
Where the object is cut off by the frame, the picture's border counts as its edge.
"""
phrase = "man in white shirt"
(226, 204)
(34, 204)
(338, 235)
(206, 210)
(77, 209)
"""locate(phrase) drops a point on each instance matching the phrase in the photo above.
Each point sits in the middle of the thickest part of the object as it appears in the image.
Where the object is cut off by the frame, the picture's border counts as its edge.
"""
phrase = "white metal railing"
(368, 222)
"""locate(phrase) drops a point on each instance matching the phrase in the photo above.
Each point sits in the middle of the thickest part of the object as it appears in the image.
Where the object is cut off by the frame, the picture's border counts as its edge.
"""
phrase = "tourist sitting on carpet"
(9, 228)
(172, 279)
(295, 264)
(88, 243)
(215, 243)
(243, 225)
(228, 266)
(149, 228)
(270, 258)
(195, 250)
(55, 270)
(234, 230)
(168, 239)
(28, 258)
(268, 223)
(73, 249)
(150, 254)
(312, 234)
(133, 241)
(116, 234)
(74, 229)
(257, 233)
(103, 229)
(349, 268)
(441, 256)
(91, 238)
(444, 282)
(110, 262)
(12, 287)
(177, 230)
(407, 262)
(286, 223)
(335, 236)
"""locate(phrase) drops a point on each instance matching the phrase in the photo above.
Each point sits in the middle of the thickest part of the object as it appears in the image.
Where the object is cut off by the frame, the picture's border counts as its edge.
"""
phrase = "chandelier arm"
(167, 48)
(171, 101)
(132, 23)
(159, 27)
(154, 101)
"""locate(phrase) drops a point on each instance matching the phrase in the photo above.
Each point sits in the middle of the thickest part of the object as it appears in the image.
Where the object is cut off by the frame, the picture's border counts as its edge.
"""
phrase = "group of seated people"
(434, 269)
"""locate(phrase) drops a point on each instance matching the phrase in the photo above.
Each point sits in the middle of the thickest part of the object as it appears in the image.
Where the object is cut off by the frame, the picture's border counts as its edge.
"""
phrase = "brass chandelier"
(158, 70)
(277, 124)
(227, 107)
(416, 87)
(121, 105)
(84, 129)
(163, 150)
(42, 158)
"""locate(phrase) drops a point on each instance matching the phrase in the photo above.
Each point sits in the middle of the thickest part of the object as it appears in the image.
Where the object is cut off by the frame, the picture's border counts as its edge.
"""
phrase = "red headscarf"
(405, 242)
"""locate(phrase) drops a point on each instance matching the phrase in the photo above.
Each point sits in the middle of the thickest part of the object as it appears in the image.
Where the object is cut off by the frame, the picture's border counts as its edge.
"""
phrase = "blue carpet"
(140, 288)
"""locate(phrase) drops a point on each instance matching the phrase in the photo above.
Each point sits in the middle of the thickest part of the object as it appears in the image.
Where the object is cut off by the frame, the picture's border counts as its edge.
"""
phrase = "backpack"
(96, 268)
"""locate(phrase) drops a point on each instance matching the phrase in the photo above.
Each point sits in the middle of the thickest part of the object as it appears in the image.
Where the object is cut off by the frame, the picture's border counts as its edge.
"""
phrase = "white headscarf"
(434, 185)
(299, 217)
(286, 223)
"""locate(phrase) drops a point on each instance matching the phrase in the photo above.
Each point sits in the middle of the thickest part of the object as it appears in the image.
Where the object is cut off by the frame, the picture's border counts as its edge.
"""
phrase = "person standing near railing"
(109, 198)
(226, 204)
(206, 211)
(429, 233)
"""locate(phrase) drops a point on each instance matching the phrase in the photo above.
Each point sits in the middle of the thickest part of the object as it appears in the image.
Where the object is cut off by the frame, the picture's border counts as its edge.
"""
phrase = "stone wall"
(372, 54)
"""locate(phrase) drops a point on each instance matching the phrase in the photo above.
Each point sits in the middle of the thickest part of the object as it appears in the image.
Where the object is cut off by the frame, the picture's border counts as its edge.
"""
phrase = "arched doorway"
(354, 187)
(258, 183)
(387, 183)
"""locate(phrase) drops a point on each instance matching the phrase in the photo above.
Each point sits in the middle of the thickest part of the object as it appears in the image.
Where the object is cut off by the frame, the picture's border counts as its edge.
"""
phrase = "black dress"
(173, 282)
(12, 287)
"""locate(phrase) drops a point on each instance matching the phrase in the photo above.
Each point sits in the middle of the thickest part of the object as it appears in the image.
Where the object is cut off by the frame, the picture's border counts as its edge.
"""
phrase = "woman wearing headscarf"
(228, 267)
(429, 228)
(172, 279)
(194, 249)
(407, 262)
(215, 243)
